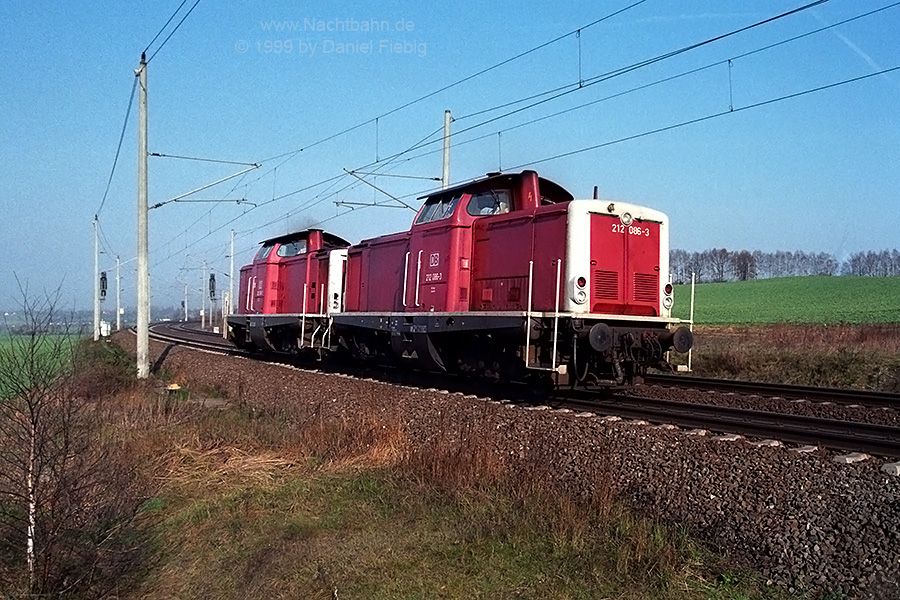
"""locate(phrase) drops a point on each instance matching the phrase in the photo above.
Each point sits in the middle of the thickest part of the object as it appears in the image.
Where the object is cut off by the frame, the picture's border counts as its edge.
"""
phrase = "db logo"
(434, 260)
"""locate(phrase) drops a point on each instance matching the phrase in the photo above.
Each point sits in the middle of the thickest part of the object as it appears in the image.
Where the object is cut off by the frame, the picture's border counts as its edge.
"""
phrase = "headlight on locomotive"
(668, 300)
(579, 295)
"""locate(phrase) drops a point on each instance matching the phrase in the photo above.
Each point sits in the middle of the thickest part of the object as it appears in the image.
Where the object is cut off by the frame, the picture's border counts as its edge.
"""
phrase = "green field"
(24, 361)
(824, 300)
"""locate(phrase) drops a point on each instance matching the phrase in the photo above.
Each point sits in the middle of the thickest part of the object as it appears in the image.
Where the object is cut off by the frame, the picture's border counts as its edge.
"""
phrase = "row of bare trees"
(885, 263)
(720, 264)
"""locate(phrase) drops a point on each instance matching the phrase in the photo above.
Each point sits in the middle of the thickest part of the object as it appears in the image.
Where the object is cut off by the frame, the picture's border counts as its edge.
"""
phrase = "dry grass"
(852, 356)
(786, 336)
(302, 499)
(370, 440)
(334, 502)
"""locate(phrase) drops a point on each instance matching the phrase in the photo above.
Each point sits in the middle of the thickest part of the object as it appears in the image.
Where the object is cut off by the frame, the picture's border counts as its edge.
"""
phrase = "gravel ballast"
(804, 521)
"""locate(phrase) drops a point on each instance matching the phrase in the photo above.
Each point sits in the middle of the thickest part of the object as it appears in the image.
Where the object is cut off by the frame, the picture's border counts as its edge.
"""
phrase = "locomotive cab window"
(292, 249)
(264, 252)
(491, 202)
(437, 208)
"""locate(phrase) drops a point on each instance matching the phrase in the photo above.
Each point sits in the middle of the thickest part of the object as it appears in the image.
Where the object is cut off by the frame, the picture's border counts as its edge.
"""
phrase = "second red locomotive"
(508, 277)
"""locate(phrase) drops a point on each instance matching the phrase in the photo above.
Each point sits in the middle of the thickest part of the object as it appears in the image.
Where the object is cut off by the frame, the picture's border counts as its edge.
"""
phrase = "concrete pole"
(231, 275)
(143, 271)
(185, 303)
(96, 280)
(445, 172)
(118, 295)
(226, 310)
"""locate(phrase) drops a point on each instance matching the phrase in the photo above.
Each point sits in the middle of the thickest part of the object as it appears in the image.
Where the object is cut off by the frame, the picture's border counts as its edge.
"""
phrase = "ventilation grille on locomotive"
(606, 285)
(646, 287)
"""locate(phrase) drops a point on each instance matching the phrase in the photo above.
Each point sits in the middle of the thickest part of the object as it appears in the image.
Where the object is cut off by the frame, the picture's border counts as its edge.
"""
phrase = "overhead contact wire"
(628, 69)
(168, 37)
(163, 28)
(590, 81)
(461, 81)
(648, 85)
(709, 117)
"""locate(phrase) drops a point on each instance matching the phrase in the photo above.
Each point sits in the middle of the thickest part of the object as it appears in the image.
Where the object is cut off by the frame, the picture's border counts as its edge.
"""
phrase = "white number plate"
(631, 230)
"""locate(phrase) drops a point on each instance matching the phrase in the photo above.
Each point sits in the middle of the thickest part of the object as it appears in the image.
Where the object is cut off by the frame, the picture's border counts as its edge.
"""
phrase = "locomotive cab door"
(438, 252)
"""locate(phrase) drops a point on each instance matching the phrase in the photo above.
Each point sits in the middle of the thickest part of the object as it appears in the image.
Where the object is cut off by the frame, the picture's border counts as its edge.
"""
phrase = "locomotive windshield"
(264, 252)
(292, 249)
(491, 202)
(437, 208)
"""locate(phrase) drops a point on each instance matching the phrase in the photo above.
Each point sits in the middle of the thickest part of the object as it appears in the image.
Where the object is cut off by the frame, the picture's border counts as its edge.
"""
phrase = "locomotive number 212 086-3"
(633, 230)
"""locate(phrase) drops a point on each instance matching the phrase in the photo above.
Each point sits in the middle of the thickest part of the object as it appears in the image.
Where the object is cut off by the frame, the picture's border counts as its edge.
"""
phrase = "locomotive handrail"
(328, 331)
(556, 314)
(303, 317)
(529, 312)
(251, 283)
(418, 274)
(405, 280)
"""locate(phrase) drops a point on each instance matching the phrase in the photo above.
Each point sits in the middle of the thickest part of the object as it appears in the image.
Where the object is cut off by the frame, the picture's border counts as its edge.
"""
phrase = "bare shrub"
(68, 494)
(726, 362)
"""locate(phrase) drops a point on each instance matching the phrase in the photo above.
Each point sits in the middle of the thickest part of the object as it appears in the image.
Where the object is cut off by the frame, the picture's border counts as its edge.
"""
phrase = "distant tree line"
(719, 264)
(873, 264)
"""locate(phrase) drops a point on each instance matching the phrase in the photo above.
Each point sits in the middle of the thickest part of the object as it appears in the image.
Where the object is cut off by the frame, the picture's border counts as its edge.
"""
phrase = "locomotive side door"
(502, 247)
(437, 240)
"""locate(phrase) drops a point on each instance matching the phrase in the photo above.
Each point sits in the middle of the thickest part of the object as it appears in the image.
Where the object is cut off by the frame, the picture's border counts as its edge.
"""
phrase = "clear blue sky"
(817, 172)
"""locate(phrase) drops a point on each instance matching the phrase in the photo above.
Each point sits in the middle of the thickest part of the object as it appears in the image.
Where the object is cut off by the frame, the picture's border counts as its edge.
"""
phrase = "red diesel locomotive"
(507, 277)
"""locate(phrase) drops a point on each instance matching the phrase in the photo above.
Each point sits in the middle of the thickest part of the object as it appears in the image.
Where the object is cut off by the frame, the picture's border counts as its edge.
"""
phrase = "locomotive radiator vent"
(606, 285)
(646, 287)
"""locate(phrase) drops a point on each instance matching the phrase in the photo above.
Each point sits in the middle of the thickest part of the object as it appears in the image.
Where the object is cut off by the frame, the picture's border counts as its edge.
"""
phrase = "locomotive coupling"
(680, 339)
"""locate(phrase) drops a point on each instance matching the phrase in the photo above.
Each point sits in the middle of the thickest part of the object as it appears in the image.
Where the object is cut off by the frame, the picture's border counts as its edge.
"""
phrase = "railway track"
(181, 333)
(881, 440)
(816, 394)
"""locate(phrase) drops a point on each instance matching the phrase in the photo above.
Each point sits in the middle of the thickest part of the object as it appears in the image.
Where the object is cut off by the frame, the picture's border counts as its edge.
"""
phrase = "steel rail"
(845, 435)
(178, 334)
(842, 396)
